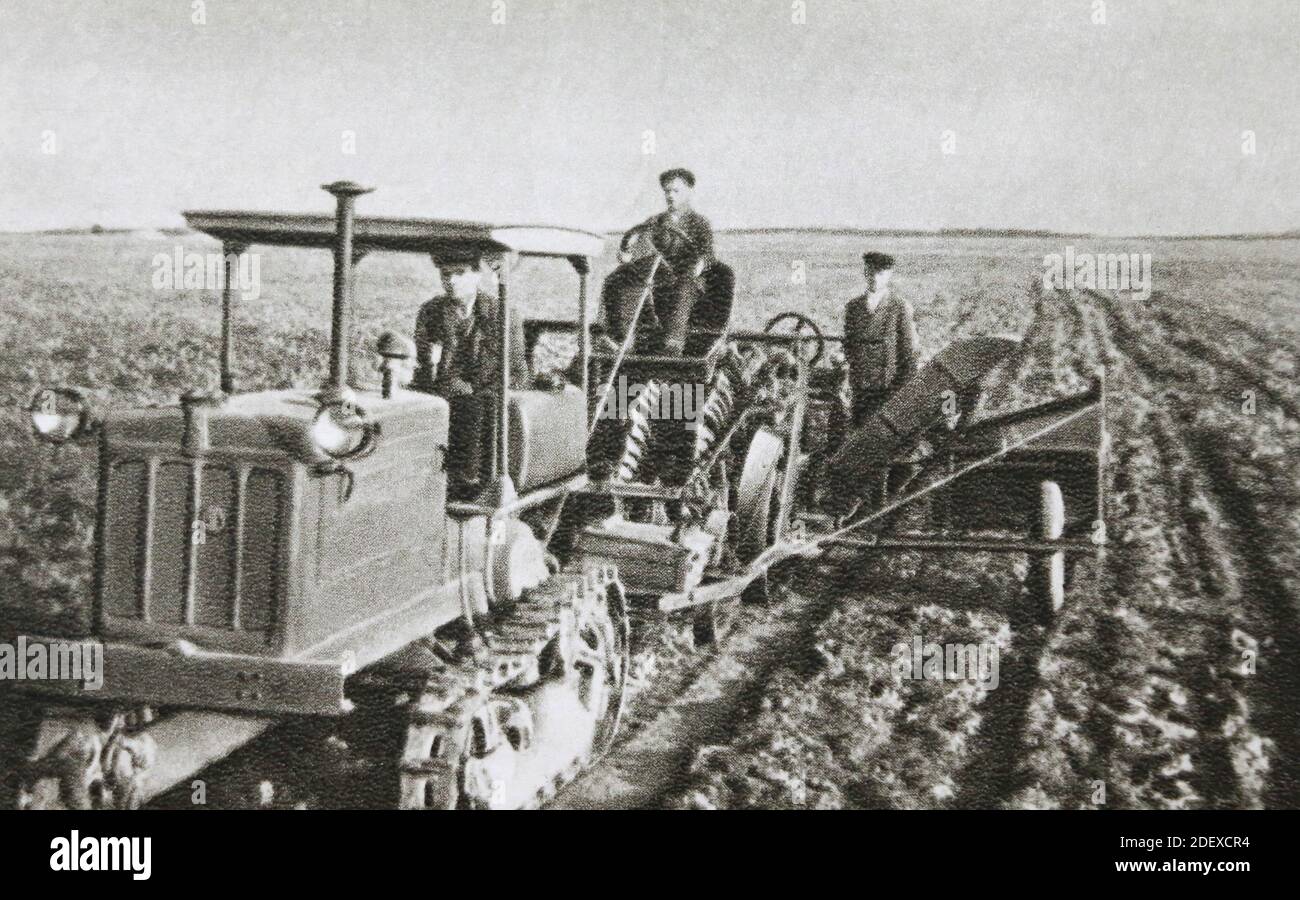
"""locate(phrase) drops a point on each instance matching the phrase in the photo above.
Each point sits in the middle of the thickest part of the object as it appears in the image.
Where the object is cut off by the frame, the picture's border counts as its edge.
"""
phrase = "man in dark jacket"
(879, 340)
(457, 354)
(685, 240)
(457, 334)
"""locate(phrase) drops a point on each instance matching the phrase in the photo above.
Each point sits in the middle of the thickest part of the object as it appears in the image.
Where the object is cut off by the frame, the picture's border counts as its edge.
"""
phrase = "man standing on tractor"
(457, 355)
(684, 239)
(879, 340)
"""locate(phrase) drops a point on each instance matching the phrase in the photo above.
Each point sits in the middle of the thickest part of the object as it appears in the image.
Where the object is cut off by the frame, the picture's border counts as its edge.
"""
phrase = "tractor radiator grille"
(192, 544)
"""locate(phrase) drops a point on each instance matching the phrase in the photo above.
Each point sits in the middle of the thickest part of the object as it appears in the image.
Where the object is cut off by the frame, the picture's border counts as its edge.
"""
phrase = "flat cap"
(453, 256)
(878, 261)
(685, 175)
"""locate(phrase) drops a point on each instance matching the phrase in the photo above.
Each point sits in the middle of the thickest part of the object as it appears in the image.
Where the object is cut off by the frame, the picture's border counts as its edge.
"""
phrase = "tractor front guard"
(183, 676)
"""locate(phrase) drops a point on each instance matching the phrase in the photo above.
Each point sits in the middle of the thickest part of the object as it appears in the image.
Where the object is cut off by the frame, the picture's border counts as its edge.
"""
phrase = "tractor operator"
(879, 340)
(684, 239)
(457, 355)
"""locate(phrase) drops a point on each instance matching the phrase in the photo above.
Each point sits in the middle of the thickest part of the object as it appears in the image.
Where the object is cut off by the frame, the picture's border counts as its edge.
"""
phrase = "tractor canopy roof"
(435, 236)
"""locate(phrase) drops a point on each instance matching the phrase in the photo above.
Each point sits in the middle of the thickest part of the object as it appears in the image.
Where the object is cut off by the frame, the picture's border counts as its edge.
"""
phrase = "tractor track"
(1210, 497)
(691, 699)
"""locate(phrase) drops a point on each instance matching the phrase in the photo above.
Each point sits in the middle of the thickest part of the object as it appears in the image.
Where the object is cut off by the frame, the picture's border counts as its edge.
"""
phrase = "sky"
(1107, 116)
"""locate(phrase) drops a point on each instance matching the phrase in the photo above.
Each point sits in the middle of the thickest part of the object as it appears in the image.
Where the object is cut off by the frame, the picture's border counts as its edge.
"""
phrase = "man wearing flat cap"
(457, 356)
(879, 339)
(457, 334)
(684, 239)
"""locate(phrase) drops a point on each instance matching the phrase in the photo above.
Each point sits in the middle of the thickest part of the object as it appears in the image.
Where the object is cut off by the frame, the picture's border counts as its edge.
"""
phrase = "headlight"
(58, 414)
(342, 431)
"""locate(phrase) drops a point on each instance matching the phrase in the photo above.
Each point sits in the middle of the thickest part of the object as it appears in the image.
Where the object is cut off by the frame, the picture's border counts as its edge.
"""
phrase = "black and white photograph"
(703, 405)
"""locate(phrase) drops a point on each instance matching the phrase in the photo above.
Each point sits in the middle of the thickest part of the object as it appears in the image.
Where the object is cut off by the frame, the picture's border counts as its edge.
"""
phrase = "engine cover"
(245, 544)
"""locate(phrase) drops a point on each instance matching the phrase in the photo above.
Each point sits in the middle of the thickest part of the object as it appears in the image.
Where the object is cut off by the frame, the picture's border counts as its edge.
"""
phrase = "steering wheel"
(646, 230)
(801, 324)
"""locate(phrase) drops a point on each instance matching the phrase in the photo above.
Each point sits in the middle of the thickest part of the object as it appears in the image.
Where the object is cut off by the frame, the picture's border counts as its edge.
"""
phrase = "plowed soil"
(1169, 680)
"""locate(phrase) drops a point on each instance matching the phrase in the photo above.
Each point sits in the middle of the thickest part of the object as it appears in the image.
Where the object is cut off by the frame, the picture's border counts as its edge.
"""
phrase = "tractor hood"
(271, 425)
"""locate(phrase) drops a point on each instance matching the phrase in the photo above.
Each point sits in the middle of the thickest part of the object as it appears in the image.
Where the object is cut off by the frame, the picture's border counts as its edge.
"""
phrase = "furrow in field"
(1277, 605)
(999, 771)
(1232, 557)
(1027, 376)
(859, 732)
(1052, 362)
(1104, 725)
(846, 726)
(1069, 734)
(1271, 343)
(1253, 375)
(650, 765)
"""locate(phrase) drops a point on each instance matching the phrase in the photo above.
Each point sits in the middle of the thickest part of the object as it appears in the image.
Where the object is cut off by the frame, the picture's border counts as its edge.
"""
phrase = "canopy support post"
(500, 491)
(230, 253)
(583, 267)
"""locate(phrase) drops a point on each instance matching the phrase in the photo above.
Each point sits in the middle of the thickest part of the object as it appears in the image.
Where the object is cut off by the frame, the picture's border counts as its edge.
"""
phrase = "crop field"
(1171, 679)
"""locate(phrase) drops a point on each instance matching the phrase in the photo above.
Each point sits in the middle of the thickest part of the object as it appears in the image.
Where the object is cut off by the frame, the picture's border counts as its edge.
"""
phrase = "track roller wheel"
(602, 656)
(81, 758)
(465, 757)
(502, 732)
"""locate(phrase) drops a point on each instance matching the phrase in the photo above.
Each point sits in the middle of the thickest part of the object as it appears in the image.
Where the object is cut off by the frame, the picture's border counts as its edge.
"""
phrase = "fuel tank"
(548, 435)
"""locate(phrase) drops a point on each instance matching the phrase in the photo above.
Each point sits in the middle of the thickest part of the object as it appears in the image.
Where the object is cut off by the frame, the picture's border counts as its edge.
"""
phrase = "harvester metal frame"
(1031, 440)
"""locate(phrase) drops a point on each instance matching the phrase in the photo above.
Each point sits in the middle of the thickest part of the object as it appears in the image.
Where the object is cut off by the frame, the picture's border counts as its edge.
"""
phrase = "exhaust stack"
(345, 193)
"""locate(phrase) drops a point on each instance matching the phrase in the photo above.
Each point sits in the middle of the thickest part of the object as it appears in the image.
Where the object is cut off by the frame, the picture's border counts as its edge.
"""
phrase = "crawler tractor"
(285, 554)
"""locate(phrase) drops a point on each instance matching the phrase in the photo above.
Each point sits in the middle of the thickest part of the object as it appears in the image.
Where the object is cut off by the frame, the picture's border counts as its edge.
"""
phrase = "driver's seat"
(712, 311)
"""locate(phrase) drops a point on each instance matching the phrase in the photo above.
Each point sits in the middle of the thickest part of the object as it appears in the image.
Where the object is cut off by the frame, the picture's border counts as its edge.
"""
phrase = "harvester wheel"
(757, 496)
(758, 506)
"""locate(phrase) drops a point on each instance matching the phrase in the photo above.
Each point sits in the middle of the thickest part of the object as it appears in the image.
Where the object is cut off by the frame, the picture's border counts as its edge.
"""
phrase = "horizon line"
(1291, 234)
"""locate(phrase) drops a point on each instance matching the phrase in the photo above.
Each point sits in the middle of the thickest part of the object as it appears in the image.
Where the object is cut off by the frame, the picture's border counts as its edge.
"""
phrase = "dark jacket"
(681, 254)
(880, 346)
(470, 359)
